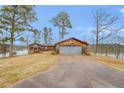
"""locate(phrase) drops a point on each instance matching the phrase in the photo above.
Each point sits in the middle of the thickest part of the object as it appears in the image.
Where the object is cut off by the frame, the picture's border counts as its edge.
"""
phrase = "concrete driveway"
(77, 72)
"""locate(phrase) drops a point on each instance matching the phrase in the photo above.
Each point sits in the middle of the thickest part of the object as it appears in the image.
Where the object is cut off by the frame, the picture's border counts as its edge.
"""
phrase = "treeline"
(16, 47)
(112, 50)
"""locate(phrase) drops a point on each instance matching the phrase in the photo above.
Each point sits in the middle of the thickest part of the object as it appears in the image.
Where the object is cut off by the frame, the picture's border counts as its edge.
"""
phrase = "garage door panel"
(70, 50)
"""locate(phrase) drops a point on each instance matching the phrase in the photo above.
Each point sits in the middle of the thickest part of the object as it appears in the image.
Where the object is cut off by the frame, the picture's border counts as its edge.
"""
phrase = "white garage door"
(70, 50)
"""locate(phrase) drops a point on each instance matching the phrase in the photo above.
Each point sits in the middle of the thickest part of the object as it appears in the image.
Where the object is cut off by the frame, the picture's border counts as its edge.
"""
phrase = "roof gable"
(72, 39)
(35, 44)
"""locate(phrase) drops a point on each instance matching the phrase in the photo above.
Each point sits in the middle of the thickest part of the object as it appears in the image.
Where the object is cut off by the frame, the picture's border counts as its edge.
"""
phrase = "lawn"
(17, 68)
(112, 62)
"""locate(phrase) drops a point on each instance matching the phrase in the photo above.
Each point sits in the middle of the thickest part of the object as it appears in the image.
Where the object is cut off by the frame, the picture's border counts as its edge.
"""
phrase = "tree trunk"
(11, 44)
(46, 40)
(117, 56)
(2, 49)
(101, 48)
(27, 43)
(106, 52)
(118, 51)
(97, 37)
(122, 53)
(59, 33)
(62, 34)
(12, 35)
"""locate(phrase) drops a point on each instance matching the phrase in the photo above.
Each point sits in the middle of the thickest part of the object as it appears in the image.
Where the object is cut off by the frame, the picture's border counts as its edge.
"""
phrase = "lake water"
(21, 52)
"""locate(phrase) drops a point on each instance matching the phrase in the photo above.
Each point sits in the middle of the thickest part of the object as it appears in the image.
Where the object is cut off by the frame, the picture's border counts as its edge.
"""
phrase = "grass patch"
(112, 62)
(17, 68)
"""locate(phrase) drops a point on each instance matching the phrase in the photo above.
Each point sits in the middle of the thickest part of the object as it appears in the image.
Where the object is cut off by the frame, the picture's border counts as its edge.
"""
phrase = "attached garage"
(71, 46)
(70, 50)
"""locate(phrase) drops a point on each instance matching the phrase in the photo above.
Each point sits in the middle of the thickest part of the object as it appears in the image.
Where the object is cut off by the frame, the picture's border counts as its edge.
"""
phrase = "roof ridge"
(72, 38)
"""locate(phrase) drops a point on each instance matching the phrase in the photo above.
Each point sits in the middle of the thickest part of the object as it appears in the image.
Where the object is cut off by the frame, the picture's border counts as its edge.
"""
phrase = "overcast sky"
(80, 16)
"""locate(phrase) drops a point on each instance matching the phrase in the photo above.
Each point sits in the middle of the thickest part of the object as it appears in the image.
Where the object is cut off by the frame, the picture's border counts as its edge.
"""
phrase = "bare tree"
(103, 25)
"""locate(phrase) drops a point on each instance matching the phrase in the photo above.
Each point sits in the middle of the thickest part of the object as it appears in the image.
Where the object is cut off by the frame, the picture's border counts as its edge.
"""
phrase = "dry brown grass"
(17, 68)
(112, 62)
